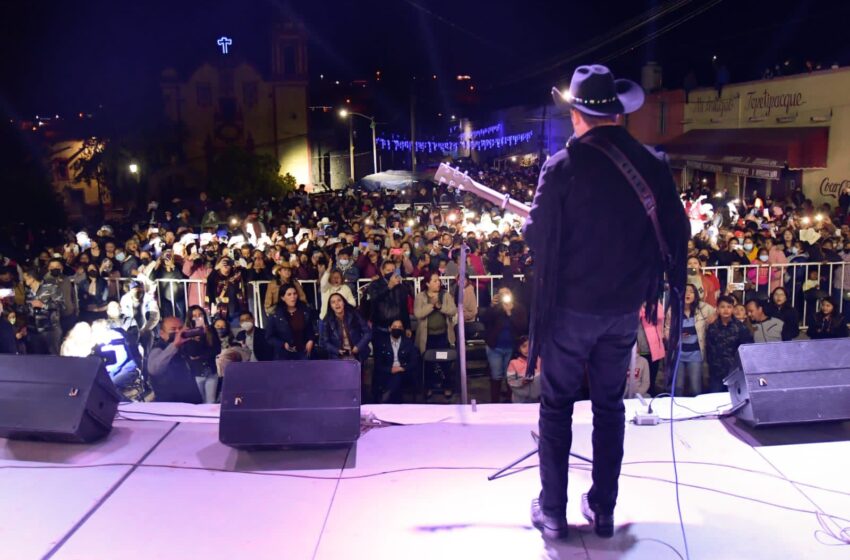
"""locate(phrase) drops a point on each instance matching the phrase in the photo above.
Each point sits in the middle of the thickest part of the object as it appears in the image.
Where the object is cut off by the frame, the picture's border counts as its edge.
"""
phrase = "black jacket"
(827, 327)
(8, 342)
(279, 333)
(171, 375)
(262, 350)
(790, 320)
(359, 334)
(607, 254)
(495, 318)
(386, 305)
(408, 357)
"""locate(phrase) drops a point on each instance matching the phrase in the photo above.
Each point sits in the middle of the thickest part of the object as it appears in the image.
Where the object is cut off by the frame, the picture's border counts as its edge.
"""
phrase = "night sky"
(62, 57)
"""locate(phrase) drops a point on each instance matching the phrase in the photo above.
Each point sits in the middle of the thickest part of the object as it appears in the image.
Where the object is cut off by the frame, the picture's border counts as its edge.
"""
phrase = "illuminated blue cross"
(224, 42)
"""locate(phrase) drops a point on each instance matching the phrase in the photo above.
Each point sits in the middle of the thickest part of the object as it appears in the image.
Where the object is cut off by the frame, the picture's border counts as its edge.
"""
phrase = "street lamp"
(345, 113)
(134, 168)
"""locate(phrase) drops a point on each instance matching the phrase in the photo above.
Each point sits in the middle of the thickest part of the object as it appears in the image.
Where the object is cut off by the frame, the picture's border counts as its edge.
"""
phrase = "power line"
(600, 41)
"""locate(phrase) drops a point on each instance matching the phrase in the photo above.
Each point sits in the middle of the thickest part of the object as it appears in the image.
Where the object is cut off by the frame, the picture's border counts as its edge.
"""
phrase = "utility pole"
(412, 131)
(351, 144)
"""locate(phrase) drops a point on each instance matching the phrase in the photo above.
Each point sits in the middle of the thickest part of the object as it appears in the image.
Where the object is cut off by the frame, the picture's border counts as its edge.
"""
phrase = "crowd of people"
(171, 297)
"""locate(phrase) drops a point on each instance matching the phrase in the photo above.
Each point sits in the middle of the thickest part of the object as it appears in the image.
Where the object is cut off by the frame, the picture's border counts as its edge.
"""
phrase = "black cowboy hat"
(594, 91)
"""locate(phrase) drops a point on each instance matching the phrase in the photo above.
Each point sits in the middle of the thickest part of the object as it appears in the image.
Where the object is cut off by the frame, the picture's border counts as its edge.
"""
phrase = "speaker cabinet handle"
(73, 392)
(237, 401)
(762, 382)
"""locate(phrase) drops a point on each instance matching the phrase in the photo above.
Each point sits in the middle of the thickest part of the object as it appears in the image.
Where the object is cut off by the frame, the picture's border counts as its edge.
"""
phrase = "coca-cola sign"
(762, 103)
(833, 189)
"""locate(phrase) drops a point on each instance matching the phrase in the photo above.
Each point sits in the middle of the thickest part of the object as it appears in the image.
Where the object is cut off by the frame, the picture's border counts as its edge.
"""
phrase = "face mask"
(199, 321)
(120, 257)
(221, 332)
(12, 321)
(692, 271)
(172, 337)
(92, 274)
(247, 325)
(343, 262)
(794, 250)
(748, 246)
(397, 333)
(763, 258)
(839, 247)
(407, 253)
(146, 260)
(55, 273)
(387, 277)
(733, 248)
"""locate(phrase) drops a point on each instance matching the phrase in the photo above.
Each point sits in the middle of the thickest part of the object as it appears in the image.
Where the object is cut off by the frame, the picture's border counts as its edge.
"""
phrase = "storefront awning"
(798, 147)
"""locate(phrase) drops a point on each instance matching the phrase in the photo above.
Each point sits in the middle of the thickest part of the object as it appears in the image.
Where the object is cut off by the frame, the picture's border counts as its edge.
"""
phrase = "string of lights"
(403, 144)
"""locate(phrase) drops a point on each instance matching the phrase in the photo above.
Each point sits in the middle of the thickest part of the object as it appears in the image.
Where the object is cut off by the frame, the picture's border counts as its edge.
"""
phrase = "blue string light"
(399, 144)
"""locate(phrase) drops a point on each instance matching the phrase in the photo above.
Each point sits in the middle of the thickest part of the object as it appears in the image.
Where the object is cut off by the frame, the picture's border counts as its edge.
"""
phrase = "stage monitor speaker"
(290, 403)
(53, 398)
(792, 382)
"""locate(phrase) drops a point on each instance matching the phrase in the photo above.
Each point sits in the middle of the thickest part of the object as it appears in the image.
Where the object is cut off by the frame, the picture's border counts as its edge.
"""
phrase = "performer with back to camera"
(595, 197)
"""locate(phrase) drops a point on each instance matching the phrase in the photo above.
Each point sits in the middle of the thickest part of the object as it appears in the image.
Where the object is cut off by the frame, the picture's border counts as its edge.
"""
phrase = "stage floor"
(164, 487)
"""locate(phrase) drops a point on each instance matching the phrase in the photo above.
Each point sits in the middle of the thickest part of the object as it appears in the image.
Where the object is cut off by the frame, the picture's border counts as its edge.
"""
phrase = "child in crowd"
(637, 377)
(523, 390)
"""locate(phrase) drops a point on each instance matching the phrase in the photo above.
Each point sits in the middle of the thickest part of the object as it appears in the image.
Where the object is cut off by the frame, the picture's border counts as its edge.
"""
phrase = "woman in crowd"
(781, 308)
(282, 277)
(650, 343)
(93, 294)
(707, 285)
(292, 327)
(828, 322)
(759, 276)
(504, 322)
(331, 283)
(201, 351)
(345, 333)
(230, 349)
(697, 316)
(435, 309)
(523, 389)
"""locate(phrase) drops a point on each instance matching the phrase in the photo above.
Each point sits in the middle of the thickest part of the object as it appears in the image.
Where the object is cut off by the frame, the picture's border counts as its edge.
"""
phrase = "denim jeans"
(603, 344)
(208, 386)
(499, 358)
(688, 378)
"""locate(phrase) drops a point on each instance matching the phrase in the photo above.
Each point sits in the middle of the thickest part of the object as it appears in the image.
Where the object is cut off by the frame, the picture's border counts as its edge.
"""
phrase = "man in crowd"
(394, 362)
(254, 339)
(44, 308)
(765, 329)
(169, 369)
(387, 304)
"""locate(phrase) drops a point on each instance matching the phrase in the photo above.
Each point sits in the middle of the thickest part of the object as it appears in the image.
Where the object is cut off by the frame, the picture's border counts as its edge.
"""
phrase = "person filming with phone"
(169, 367)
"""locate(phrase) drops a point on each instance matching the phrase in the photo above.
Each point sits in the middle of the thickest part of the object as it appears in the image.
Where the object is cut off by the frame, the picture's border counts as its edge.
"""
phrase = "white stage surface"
(163, 487)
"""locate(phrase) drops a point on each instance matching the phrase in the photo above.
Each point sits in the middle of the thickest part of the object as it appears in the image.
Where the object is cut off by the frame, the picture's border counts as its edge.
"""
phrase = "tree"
(242, 175)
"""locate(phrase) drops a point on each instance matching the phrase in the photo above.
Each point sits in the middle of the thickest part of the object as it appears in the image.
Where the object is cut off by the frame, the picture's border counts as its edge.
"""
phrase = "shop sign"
(763, 103)
(833, 188)
(714, 106)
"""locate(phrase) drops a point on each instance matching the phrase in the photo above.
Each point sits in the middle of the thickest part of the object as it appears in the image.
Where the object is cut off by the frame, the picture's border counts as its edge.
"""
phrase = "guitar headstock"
(446, 174)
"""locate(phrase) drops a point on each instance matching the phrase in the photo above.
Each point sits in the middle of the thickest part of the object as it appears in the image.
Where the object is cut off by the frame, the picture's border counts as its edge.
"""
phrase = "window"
(204, 93)
(227, 108)
(249, 94)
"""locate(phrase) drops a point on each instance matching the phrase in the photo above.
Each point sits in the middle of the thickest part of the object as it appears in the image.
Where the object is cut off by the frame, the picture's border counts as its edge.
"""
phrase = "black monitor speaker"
(290, 404)
(53, 398)
(792, 382)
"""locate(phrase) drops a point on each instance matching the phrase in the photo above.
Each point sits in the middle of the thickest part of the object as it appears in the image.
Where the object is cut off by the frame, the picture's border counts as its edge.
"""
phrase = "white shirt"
(396, 344)
(249, 344)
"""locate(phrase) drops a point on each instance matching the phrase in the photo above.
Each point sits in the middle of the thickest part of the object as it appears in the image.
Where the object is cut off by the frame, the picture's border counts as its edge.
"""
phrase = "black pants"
(602, 344)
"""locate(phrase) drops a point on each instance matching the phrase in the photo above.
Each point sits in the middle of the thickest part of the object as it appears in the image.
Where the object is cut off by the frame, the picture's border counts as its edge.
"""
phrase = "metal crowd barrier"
(745, 281)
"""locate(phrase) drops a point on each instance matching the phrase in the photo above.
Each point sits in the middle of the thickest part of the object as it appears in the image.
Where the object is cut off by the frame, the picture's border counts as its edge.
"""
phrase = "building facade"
(228, 101)
(767, 136)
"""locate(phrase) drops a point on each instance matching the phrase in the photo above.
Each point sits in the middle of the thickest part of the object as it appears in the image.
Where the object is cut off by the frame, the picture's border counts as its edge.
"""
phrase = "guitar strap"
(647, 199)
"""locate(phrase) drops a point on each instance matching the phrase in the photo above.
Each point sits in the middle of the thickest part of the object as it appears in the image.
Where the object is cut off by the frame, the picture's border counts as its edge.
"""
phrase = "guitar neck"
(499, 199)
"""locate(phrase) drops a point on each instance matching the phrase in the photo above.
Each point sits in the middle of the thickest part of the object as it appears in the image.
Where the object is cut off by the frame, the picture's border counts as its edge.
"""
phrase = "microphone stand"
(461, 329)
